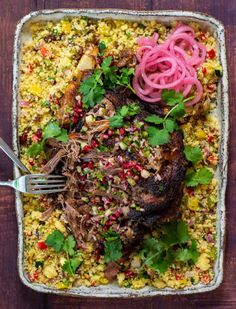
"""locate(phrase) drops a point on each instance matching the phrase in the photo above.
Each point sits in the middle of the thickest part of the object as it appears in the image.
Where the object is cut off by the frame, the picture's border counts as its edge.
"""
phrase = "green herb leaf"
(178, 110)
(55, 240)
(171, 97)
(116, 121)
(35, 149)
(92, 90)
(70, 266)
(159, 254)
(171, 125)
(39, 263)
(157, 136)
(154, 119)
(130, 110)
(69, 245)
(193, 154)
(112, 246)
(101, 47)
(202, 176)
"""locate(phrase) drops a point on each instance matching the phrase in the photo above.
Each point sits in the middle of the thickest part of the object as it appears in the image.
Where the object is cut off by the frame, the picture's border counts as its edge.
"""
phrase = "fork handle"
(11, 155)
(6, 183)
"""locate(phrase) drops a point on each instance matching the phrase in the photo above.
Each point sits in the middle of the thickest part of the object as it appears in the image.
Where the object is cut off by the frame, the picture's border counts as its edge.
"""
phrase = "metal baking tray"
(207, 22)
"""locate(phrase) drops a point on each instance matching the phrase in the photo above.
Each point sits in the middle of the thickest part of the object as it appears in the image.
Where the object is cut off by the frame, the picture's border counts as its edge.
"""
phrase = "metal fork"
(37, 183)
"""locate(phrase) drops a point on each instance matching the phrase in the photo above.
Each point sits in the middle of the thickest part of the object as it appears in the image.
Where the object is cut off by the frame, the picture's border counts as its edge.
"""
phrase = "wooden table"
(12, 292)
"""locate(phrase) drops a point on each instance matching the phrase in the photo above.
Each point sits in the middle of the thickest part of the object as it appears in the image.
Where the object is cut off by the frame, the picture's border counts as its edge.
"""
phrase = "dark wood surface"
(12, 292)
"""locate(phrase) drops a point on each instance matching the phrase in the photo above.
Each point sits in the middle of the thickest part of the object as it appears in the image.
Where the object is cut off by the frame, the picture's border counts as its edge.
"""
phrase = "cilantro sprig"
(159, 131)
(52, 129)
(125, 111)
(59, 243)
(106, 77)
(202, 176)
(174, 245)
(112, 245)
(193, 154)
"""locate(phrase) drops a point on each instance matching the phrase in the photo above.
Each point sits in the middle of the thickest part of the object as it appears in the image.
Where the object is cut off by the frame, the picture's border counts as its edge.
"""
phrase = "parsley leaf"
(202, 176)
(70, 266)
(35, 149)
(52, 129)
(92, 89)
(193, 154)
(159, 254)
(69, 245)
(157, 136)
(171, 97)
(101, 47)
(112, 246)
(55, 240)
(154, 119)
(160, 135)
(59, 243)
(125, 111)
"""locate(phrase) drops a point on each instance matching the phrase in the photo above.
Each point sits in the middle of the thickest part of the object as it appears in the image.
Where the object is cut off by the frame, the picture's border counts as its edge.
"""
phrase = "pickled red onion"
(170, 65)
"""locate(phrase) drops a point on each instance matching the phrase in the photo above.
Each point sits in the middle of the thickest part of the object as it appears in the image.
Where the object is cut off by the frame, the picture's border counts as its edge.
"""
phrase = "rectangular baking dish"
(207, 22)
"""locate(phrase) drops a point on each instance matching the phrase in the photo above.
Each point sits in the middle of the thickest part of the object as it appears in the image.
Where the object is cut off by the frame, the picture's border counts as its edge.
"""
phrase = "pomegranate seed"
(77, 109)
(129, 173)
(105, 136)
(117, 214)
(108, 223)
(23, 138)
(41, 245)
(121, 131)
(112, 217)
(94, 143)
(138, 167)
(87, 148)
(91, 165)
(75, 119)
(123, 176)
(104, 180)
(110, 132)
(129, 273)
(128, 165)
(85, 164)
(190, 191)
(210, 139)
(83, 178)
(204, 71)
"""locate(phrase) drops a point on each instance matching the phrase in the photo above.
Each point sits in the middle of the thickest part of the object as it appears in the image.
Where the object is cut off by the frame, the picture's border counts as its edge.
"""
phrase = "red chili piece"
(41, 245)
(211, 54)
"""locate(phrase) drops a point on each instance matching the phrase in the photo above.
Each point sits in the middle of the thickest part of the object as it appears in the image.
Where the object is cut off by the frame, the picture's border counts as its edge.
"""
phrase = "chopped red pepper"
(41, 245)
(210, 139)
(203, 36)
(204, 71)
(36, 275)
(44, 51)
(211, 54)
(30, 68)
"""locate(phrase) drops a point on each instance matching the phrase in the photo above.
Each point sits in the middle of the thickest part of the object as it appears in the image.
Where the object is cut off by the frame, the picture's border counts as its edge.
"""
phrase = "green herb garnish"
(101, 47)
(52, 129)
(59, 243)
(202, 176)
(159, 134)
(193, 154)
(174, 245)
(107, 77)
(113, 246)
(125, 111)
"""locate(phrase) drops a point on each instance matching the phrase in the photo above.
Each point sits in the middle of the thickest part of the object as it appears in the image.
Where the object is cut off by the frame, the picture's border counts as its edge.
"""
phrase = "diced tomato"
(204, 71)
(190, 191)
(36, 275)
(211, 54)
(43, 51)
(203, 36)
(210, 139)
(41, 245)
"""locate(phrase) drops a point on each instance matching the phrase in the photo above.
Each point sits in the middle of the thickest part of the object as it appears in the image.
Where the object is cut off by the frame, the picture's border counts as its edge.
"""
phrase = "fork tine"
(45, 191)
(47, 186)
(44, 176)
(34, 181)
